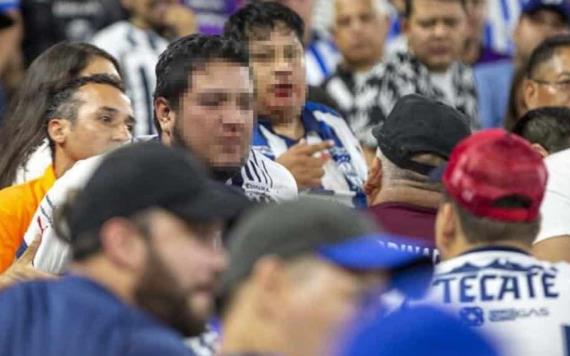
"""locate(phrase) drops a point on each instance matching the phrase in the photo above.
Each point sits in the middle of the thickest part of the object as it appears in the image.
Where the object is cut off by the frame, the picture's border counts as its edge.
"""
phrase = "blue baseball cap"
(416, 331)
(560, 6)
(336, 234)
(6, 5)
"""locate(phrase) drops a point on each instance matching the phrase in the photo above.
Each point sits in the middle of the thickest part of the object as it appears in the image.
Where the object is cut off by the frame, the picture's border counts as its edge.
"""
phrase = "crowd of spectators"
(285, 177)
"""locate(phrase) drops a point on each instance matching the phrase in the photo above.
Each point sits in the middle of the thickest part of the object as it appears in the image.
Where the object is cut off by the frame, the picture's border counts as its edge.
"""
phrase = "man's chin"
(225, 171)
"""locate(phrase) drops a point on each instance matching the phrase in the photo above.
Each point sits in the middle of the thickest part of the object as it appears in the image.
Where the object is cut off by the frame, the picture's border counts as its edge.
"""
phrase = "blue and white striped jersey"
(502, 18)
(345, 172)
(516, 299)
(321, 59)
(264, 180)
(137, 52)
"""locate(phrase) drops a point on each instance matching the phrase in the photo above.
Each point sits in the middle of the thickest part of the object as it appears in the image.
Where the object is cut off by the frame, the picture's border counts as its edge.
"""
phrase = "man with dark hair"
(430, 66)
(321, 56)
(86, 117)
(417, 136)
(548, 129)
(145, 266)
(494, 184)
(547, 81)
(298, 272)
(539, 20)
(309, 139)
(204, 102)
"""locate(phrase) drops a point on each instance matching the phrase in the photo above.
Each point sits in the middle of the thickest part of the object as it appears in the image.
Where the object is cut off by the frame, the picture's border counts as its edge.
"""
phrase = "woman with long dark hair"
(24, 150)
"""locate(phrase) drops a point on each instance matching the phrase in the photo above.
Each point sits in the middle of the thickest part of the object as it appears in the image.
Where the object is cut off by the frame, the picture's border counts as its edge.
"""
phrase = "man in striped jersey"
(210, 113)
(309, 139)
(138, 42)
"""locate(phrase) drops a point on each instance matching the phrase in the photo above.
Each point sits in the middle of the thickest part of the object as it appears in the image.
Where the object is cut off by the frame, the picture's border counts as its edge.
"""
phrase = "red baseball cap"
(491, 165)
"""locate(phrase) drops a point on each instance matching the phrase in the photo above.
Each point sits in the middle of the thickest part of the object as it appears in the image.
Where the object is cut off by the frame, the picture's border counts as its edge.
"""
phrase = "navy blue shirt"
(76, 316)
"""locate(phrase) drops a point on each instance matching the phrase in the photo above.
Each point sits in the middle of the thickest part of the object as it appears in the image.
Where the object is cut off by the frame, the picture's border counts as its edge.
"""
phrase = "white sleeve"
(285, 187)
(53, 253)
(555, 208)
(555, 211)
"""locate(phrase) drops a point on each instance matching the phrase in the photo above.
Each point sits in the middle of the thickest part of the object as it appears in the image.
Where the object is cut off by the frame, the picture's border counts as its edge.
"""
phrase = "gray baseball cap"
(342, 236)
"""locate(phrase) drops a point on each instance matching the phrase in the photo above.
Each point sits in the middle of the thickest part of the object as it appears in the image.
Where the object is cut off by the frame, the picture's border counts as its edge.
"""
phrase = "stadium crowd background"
(284, 177)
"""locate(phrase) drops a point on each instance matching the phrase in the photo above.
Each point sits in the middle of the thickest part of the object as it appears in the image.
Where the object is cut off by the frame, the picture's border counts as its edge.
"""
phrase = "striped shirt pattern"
(137, 51)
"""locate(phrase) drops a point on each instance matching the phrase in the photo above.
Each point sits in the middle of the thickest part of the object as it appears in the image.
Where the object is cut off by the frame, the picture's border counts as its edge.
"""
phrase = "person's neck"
(519, 61)
(139, 23)
(61, 162)
(506, 243)
(245, 333)
(360, 67)
(288, 124)
(103, 273)
(472, 51)
(407, 195)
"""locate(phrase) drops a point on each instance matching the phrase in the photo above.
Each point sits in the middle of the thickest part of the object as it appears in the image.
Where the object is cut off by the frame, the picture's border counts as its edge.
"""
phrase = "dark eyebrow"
(113, 111)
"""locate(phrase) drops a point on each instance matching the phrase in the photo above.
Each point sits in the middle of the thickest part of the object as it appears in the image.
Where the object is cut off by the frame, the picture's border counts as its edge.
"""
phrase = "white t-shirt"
(444, 81)
(555, 207)
(520, 302)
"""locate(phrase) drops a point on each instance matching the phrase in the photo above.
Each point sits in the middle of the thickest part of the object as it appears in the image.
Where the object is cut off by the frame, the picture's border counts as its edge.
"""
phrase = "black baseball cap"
(308, 226)
(418, 125)
(559, 6)
(139, 176)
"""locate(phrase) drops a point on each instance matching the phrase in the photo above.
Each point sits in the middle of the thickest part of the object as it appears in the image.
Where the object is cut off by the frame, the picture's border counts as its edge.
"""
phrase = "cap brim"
(216, 201)
(367, 253)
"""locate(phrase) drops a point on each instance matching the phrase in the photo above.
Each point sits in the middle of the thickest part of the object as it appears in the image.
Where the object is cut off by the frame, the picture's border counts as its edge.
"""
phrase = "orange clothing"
(18, 205)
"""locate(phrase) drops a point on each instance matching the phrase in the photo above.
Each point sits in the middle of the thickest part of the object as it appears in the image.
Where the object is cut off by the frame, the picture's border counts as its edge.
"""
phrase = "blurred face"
(359, 32)
(534, 28)
(99, 65)
(150, 13)
(436, 32)
(321, 300)
(550, 85)
(181, 272)
(104, 121)
(278, 64)
(215, 119)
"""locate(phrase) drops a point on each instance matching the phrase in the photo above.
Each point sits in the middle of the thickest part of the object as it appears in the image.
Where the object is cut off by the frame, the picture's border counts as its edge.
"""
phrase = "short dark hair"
(545, 52)
(408, 6)
(187, 54)
(548, 126)
(262, 16)
(63, 103)
(487, 231)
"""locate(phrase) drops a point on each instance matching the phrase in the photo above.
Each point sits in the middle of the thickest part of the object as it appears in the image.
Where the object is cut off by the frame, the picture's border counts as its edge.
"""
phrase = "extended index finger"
(317, 147)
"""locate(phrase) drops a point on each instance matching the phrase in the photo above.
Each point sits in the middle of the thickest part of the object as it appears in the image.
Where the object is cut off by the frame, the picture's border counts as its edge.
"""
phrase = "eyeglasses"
(562, 85)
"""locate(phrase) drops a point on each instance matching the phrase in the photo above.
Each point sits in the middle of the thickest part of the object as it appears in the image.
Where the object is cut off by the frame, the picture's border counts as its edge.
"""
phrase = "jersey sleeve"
(54, 253)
